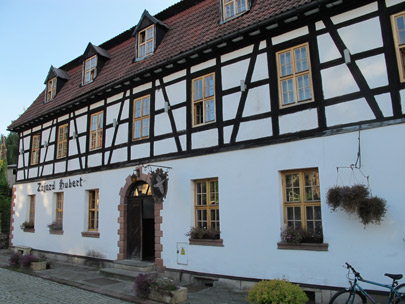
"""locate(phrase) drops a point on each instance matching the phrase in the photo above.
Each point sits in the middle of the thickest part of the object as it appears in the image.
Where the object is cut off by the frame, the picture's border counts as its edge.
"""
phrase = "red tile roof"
(190, 28)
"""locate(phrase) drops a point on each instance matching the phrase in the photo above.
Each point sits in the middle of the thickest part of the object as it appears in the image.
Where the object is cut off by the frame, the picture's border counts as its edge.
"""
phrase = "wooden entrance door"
(140, 226)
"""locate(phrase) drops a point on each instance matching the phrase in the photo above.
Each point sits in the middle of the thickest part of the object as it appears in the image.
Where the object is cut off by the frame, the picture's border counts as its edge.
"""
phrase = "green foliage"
(5, 198)
(357, 199)
(276, 292)
(12, 148)
(203, 233)
(163, 285)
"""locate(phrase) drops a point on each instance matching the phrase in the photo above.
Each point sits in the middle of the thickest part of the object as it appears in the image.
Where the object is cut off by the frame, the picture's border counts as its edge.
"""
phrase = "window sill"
(303, 246)
(91, 234)
(207, 242)
(31, 230)
(58, 232)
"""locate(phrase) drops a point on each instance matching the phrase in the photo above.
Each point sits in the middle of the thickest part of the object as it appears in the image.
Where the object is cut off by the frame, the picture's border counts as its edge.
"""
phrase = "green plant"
(27, 225)
(55, 226)
(142, 285)
(277, 291)
(357, 199)
(163, 285)
(203, 233)
(292, 235)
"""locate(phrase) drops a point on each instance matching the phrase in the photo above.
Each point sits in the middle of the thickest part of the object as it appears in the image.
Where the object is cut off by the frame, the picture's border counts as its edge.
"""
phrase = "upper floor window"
(302, 200)
(233, 8)
(146, 41)
(90, 69)
(141, 118)
(96, 130)
(35, 148)
(51, 89)
(399, 39)
(62, 141)
(203, 99)
(294, 75)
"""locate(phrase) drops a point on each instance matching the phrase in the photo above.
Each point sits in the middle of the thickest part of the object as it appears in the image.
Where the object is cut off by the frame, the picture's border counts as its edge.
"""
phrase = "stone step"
(135, 265)
(123, 274)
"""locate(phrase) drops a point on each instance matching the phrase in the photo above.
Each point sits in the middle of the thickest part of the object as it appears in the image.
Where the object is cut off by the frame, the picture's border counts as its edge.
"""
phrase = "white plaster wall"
(177, 92)
(97, 104)
(125, 110)
(298, 121)
(60, 167)
(81, 124)
(205, 139)
(162, 124)
(327, 48)
(140, 151)
(202, 66)
(347, 112)
(260, 71)
(257, 101)
(94, 160)
(112, 112)
(231, 104)
(236, 54)
(119, 155)
(251, 210)
(402, 93)
(232, 74)
(290, 35)
(73, 147)
(385, 104)
(122, 134)
(374, 70)
(48, 170)
(115, 97)
(165, 146)
(180, 118)
(361, 11)
(337, 81)
(73, 164)
(254, 129)
(75, 204)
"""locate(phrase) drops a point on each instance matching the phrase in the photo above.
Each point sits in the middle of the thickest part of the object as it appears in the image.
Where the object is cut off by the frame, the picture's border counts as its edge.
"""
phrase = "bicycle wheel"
(401, 289)
(347, 297)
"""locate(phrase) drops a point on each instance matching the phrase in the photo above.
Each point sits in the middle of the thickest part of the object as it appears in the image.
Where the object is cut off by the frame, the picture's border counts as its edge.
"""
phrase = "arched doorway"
(140, 222)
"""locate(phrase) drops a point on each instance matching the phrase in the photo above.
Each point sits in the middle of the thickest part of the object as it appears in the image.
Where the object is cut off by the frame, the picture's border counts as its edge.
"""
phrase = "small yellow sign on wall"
(183, 252)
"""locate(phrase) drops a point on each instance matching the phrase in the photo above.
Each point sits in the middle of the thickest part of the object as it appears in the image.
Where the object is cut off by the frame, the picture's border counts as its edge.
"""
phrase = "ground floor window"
(93, 210)
(31, 215)
(207, 204)
(302, 202)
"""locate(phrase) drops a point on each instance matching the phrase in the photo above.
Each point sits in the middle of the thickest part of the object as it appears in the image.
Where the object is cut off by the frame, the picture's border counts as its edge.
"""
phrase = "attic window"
(90, 69)
(51, 89)
(146, 41)
(233, 8)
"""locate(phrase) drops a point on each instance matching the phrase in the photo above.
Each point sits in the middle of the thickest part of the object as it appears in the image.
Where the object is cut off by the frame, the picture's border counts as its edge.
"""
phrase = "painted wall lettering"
(62, 184)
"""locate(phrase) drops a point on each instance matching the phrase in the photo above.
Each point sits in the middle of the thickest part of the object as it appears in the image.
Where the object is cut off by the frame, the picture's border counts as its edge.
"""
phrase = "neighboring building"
(250, 107)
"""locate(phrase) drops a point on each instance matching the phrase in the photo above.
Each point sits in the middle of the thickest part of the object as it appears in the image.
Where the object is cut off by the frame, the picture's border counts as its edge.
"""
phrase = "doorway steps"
(129, 269)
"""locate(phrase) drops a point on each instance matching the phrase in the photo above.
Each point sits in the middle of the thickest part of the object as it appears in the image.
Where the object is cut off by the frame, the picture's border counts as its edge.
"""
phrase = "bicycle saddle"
(394, 276)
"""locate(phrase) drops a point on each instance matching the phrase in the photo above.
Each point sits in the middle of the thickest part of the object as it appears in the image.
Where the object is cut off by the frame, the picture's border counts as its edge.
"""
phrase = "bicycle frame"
(357, 287)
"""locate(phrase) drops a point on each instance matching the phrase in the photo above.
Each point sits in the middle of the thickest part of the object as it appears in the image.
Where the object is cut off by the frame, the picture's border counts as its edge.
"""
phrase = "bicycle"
(357, 295)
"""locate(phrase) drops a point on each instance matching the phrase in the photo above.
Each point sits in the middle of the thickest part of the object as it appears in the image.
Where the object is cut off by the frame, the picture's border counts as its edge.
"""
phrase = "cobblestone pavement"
(20, 288)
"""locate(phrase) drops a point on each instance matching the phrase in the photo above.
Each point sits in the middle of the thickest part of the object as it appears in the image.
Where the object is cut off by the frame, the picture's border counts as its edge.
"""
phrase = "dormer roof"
(58, 73)
(92, 50)
(146, 20)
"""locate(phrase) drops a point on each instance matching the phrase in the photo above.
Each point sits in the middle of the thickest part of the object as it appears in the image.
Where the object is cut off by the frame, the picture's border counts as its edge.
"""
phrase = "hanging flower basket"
(357, 200)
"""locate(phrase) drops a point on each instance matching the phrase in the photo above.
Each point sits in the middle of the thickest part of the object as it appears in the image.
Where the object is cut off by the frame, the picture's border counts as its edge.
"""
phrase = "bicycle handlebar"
(356, 273)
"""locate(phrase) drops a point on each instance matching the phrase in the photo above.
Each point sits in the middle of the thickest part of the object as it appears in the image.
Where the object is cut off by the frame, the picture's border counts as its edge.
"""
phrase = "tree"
(12, 148)
(5, 198)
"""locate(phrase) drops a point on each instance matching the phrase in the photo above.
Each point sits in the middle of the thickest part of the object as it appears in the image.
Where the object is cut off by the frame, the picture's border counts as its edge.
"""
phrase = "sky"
(35, 34)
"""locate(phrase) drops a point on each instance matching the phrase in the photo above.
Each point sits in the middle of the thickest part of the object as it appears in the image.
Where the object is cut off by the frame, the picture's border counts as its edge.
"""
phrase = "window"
(294, 75)
(51, 89)
(90, 69)
(146, 41)
(62, 141)
(207, 204)
(141, 118)
(31, 215)
(59, 210)
(203, 100)
(399, 39)
(233, 8)
(93, 210)
(35, 149)
(302, 201)
(96, 131)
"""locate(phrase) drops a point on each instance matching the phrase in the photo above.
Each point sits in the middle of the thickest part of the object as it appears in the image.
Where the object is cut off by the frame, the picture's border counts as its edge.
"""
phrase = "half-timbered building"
(250, 110)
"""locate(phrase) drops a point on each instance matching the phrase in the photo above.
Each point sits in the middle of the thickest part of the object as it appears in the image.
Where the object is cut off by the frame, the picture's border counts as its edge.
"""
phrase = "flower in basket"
(27, 225)
(55, 226)
(293, 234)
(203, 233)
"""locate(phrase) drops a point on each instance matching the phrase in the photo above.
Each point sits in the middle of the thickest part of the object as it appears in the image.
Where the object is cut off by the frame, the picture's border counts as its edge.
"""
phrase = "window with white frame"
(398, 25)
(302, 200)
(203, 99)
(141, 118)
(146, 42)
(207, 204)
(51, 89)
(90, 69)
(233, 8)
(61, 150)
(294, 75)
(96, 130)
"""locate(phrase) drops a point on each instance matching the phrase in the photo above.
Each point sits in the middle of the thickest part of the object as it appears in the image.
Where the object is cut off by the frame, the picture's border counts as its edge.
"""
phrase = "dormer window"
(90, 69)
(51, 89)
(54, 82)
(146, 42)
(234, 8)
(94, 58)
(149, 34)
